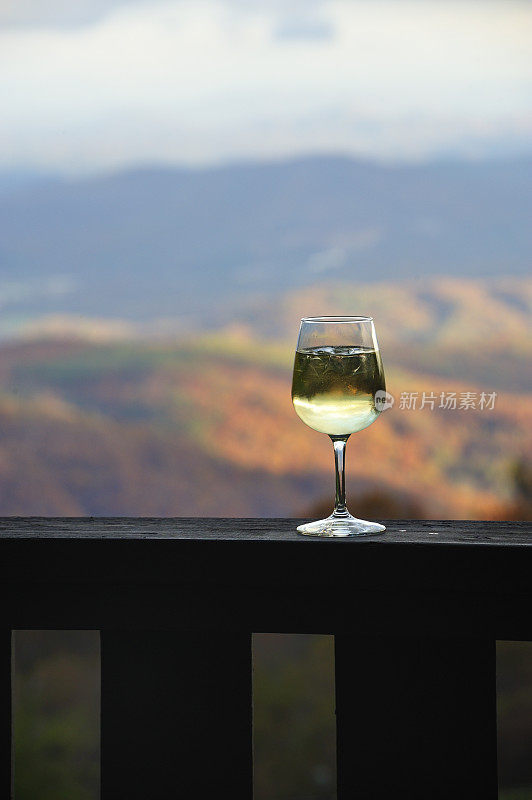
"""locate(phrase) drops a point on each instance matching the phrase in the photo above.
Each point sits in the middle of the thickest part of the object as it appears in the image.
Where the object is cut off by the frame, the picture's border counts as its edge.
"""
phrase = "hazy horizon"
(19, 175)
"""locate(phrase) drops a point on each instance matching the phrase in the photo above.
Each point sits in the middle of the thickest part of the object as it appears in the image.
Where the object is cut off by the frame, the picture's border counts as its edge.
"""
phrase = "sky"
(98, 85)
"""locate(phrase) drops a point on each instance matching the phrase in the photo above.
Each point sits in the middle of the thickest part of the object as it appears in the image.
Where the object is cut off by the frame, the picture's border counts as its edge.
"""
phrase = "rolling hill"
(205, 426)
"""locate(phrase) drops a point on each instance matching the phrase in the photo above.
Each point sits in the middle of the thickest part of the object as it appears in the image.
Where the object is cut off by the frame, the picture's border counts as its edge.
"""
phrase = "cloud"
(74, 13)
(64, 14)
(304, 27)
(56, 13)
(199, 81)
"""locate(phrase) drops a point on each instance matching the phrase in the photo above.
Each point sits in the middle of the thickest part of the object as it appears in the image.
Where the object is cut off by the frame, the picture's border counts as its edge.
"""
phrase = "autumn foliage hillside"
(205, 426)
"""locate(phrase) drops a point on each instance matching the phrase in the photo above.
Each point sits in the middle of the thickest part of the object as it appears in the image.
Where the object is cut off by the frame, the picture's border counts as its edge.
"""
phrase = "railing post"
(416, 718)
(176, 715)
(6, 737)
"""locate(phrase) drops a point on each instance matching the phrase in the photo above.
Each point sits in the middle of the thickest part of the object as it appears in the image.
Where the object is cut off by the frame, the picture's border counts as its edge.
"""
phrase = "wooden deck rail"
(415, 613)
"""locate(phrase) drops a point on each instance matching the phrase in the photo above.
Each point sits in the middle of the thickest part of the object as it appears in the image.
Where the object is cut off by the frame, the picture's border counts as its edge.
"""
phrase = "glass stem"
(339, 444)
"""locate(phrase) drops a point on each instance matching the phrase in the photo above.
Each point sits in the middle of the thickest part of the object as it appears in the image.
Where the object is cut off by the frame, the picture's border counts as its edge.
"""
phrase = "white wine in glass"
(337, 375)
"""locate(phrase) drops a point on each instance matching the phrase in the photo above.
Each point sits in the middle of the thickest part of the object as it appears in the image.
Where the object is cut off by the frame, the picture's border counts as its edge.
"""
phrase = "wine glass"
(338, 388)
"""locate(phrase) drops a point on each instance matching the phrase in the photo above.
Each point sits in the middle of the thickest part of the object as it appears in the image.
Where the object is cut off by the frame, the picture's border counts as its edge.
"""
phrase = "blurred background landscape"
(181, 182)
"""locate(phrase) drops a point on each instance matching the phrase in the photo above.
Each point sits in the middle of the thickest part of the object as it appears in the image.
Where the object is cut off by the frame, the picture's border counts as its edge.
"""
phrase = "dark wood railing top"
(261, 575)
(398, 532)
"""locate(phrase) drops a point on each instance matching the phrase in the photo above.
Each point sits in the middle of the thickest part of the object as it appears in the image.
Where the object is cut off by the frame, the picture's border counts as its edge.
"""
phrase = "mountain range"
(196, 244)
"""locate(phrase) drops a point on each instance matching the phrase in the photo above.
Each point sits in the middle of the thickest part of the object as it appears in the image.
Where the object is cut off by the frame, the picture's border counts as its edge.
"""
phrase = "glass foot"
(340, 526)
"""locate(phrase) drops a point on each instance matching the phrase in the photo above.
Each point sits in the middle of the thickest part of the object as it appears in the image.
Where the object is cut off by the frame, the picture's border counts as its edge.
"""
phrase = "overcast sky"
(91, 85)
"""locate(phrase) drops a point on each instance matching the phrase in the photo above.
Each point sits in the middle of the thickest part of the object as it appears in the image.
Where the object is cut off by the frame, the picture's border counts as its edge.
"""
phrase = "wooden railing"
(415, 613)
